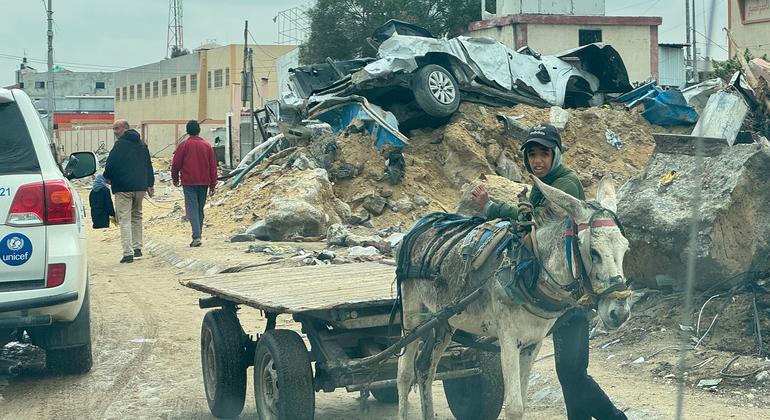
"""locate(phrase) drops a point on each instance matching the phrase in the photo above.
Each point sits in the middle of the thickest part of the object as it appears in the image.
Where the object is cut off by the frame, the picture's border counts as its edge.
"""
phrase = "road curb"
(167, 254)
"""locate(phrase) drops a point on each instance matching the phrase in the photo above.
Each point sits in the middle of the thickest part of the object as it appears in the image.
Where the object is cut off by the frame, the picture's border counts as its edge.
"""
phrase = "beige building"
(159, 98)
(551, 31)
(749, 22)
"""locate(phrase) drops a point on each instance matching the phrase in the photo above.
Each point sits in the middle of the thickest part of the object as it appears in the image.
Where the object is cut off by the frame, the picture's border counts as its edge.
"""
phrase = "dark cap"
(545, 135)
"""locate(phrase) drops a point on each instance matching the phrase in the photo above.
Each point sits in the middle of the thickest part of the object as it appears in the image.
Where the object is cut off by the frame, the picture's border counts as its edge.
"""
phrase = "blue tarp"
(661, 107)
(669, 108)
(340, 117)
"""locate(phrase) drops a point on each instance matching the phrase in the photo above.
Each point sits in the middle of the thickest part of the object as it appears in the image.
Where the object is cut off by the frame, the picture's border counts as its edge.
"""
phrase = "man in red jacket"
(195, 160)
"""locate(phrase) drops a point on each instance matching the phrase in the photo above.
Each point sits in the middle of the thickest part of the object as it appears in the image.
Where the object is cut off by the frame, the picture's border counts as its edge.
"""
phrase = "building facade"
(551, 27)
(159, 98)
(749, 23)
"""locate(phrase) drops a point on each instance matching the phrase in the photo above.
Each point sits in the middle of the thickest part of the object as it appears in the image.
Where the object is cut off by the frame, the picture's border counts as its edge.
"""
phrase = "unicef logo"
(15, 249)
(15, 243)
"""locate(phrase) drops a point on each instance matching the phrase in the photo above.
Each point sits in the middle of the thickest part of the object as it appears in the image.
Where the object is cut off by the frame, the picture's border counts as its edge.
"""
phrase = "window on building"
(100, 85)
(208, 80)
(182, 85)
(589, 36)
(139, 91)
(173, 85)
(39, 85)
(21, 85)
(193, 82)
(164, 87)
(117, 94)
(155, 89)
(227, 76)
(131, 93)
(218, 78)
(147, 90)
(124, 93)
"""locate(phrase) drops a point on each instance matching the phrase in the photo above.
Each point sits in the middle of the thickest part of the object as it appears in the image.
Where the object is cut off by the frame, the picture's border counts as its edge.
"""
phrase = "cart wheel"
(478, 397)
(223, 357)
(283, 378)
(385, 395)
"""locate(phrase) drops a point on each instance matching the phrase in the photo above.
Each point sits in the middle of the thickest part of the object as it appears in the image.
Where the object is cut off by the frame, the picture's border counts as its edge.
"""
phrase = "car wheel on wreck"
(436, 91)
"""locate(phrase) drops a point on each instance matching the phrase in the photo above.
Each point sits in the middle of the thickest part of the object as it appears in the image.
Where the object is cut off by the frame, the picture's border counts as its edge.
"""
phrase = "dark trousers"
(194, 200)
(582, 395)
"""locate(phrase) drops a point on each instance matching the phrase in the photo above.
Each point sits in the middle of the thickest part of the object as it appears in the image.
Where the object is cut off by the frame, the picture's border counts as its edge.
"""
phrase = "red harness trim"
(594, 224)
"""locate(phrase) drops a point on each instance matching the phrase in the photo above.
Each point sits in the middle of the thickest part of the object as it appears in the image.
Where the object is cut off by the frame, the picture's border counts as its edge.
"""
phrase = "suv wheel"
(77, 359)
(436, 91)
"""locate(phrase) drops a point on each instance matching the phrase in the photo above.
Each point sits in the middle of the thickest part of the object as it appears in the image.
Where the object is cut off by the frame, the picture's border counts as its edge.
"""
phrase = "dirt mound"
(439, 163)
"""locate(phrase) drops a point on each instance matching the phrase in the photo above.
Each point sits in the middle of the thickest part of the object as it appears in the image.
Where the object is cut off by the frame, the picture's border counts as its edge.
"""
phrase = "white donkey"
(601, 246)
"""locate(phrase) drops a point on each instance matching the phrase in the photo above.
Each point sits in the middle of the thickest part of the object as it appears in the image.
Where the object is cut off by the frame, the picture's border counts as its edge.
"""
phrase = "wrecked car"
(416, 74)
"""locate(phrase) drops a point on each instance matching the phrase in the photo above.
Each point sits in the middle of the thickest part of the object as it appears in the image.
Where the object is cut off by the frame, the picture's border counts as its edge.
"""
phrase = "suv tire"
(71, 360)
(436, 91)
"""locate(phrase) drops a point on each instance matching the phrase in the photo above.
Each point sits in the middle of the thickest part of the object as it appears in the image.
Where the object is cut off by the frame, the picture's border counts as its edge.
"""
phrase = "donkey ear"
(605, 193)
(573, 206)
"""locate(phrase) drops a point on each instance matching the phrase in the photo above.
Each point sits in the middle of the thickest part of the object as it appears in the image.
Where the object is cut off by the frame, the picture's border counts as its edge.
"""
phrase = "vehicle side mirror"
(80, 165)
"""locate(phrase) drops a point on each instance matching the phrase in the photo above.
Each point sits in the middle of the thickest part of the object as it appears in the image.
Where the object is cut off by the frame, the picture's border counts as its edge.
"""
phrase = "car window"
(17, 153)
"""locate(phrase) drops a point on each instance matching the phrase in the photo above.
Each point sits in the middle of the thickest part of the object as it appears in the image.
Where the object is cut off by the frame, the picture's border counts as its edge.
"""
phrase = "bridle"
(572, 250)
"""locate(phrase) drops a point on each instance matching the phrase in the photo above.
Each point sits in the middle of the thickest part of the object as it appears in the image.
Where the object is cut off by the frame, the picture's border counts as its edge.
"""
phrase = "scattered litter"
(762, 376)
(559, 117)
(613, 139)
(638, 360)
(709, 382)
(616, 341)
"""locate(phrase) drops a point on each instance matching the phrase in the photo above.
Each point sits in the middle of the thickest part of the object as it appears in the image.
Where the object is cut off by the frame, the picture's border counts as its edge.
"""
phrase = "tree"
(726, 69)
(339, 28)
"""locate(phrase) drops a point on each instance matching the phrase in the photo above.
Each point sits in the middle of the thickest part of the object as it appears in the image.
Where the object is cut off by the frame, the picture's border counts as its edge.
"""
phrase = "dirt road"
(147, 365)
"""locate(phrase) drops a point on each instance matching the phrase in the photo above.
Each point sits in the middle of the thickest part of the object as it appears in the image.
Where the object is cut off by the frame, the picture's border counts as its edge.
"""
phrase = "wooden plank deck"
(300, 289)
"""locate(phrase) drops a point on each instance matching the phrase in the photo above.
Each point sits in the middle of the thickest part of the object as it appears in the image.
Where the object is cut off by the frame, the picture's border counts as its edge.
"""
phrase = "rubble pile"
(343, 179)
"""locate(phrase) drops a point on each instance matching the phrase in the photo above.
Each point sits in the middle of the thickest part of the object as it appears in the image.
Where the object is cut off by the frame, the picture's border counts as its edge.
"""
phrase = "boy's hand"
(480, 196)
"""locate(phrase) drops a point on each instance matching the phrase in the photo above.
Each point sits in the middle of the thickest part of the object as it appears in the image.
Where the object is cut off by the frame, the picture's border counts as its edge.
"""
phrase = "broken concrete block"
(732, 235)
(363, 251)
(259, 230)
(559, 117)
(761, 69)
(337, 234)
(507, 168)
(374, 204)
(287, 218)
(404, 205)
(243, 237)
(723, 116)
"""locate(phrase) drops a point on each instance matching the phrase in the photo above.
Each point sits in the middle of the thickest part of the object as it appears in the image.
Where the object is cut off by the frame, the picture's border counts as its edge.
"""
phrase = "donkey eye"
(595, 256)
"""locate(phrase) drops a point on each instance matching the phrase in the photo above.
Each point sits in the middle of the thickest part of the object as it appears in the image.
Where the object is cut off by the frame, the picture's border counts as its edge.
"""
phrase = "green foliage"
(339, 28)
(726, 69)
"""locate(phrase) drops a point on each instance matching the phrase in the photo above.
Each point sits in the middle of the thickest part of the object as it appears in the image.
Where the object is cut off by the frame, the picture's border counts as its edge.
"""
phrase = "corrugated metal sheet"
(671, 66)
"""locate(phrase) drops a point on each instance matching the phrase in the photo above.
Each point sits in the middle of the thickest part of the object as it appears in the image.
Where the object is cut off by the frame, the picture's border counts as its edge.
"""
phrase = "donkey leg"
(405, 377)
(425, 378)
(510, 359)
(527, 357)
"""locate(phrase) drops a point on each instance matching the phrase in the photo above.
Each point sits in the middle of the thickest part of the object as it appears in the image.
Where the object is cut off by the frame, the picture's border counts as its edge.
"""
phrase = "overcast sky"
(102, 35)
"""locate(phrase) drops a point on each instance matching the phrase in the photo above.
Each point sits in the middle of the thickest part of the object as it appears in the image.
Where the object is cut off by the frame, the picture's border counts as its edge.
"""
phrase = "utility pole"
(245, 77)
(49, 91)
(694, 49)
(687, 32)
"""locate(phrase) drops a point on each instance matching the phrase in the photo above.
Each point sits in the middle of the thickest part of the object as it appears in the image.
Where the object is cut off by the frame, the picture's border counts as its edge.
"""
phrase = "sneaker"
(127, 259)
(137, 253)
(195, 243)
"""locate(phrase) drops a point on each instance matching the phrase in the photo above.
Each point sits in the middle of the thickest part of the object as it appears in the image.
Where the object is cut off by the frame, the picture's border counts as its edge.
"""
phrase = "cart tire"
(478, 397)
(385, 395)
(223, 359)
(283, 378)
(436, 91)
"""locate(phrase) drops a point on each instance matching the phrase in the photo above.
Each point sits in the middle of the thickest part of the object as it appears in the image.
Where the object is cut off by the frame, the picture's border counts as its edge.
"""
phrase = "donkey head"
(601, 246)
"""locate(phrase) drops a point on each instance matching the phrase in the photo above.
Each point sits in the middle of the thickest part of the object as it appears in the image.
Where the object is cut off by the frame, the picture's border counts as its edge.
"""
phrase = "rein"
(572, 250)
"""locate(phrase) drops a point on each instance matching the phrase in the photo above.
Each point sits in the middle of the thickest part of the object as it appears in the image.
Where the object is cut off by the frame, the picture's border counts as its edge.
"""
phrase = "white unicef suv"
(43, 273)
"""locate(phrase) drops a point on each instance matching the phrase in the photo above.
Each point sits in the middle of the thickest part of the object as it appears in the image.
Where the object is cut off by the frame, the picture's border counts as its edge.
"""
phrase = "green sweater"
(562, 178)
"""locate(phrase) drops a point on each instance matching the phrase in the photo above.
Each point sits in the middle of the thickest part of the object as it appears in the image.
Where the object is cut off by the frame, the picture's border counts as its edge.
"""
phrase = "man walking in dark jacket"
(195, 160)
(129, 172)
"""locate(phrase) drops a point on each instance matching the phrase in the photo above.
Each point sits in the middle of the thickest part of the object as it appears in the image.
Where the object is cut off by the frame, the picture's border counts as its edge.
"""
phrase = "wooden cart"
(347, 314)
